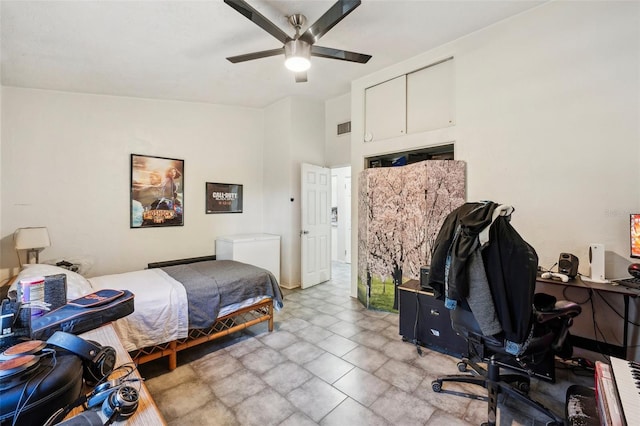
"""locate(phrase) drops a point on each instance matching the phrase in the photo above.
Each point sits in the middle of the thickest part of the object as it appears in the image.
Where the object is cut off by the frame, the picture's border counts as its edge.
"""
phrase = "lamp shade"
(32, 238)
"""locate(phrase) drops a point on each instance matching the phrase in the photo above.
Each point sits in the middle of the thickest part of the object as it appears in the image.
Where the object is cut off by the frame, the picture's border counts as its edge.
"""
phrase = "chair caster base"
(519, 382)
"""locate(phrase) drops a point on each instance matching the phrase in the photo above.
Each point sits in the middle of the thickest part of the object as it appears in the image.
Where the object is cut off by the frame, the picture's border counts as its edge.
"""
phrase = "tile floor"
(329, 361)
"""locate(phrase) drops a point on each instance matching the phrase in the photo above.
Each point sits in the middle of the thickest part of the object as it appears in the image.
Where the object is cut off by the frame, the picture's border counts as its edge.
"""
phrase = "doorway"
(341, 215)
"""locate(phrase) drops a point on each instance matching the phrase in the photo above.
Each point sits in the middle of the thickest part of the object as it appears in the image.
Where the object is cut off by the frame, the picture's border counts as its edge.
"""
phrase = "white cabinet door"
(430, 98)
(385, 110)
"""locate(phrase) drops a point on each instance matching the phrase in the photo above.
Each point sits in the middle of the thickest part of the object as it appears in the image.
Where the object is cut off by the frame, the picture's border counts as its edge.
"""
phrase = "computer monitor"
(634, 235)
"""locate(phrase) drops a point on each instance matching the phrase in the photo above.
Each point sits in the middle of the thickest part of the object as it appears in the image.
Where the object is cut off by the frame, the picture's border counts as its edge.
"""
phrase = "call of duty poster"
(224, 198)
(157, 191)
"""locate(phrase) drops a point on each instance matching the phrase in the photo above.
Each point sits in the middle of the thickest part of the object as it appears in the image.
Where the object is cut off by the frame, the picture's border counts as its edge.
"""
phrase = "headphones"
(98, 361)
(102, 392)
(121, 404)
(19, 362)
(116, 399)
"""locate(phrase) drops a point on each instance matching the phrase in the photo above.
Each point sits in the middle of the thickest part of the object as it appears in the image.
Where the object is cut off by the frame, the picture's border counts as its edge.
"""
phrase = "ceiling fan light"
(297, 54)
(297, 64)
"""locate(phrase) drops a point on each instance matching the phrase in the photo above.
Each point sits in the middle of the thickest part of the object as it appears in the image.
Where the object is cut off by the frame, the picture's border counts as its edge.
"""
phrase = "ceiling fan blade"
(258, 19)
(327, 21)
(256, 55)
(343, 55)
(301, 77)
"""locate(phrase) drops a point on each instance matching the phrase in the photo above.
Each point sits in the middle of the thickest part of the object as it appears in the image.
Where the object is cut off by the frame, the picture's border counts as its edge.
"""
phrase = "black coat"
(510, 264)
(457, 239)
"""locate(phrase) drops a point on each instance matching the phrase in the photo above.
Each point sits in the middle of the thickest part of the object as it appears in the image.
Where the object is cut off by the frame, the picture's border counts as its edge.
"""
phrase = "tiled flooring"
(329, 361)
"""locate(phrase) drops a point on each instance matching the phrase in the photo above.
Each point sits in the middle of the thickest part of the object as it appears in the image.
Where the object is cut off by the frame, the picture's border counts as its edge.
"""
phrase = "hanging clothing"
(494, 278)
(511, 265)
(457, 239)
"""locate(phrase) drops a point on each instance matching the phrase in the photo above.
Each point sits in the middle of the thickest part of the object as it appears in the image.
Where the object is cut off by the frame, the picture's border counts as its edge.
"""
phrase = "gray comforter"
(216, 283)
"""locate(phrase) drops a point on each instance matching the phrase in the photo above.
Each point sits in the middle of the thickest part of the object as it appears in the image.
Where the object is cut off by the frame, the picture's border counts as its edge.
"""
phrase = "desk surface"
(147, 412)
(414, 286)
(607, 287)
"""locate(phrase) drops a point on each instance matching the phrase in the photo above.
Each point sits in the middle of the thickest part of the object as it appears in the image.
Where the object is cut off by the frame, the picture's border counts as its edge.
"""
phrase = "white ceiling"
(177, 49)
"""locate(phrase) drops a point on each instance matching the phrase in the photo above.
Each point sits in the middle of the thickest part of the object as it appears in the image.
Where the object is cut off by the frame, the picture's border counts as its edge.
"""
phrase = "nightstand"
(147, 413)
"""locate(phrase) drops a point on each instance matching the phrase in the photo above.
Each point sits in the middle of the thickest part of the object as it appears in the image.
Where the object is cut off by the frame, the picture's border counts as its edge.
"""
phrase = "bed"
(182, 304)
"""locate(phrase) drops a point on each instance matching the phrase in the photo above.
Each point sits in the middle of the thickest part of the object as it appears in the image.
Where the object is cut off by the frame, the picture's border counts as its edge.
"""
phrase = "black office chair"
(535, 326)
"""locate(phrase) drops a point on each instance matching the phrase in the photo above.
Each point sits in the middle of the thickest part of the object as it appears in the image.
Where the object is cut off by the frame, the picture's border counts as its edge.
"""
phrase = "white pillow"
(77, 285)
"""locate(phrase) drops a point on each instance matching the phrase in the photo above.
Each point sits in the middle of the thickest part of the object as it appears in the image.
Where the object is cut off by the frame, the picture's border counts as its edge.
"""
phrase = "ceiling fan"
(299, 48)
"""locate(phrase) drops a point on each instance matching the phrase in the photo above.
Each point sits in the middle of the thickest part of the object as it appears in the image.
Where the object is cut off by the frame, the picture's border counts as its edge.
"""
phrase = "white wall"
(547, 119)
(65, 165)
(294, 134)
(337, 147)
(338, 155)
(278, 208)
(547, 112)
(560, 111)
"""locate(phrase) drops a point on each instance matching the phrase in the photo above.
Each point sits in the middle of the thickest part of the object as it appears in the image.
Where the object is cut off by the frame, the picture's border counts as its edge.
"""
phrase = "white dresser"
(262, 250)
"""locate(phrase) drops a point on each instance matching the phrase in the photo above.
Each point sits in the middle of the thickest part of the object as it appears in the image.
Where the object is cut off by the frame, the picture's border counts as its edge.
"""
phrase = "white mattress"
(224, 310)
(160, 307)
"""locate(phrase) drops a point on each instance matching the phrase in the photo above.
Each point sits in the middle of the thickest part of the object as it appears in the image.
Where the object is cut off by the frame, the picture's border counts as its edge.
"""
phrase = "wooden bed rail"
(225, 325)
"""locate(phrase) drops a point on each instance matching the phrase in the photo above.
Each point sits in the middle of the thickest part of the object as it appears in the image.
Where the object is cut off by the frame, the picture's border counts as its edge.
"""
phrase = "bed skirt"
(230, 323)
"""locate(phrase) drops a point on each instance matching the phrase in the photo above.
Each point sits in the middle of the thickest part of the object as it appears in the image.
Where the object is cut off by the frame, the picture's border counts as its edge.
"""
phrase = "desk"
(625, 292)
(147, 412)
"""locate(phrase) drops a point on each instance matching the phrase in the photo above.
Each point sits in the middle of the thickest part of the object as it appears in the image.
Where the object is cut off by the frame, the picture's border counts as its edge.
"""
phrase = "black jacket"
(510, 264)
(457, 239)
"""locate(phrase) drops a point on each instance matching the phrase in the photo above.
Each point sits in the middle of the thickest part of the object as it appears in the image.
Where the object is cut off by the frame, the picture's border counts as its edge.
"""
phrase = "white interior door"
(316, 225)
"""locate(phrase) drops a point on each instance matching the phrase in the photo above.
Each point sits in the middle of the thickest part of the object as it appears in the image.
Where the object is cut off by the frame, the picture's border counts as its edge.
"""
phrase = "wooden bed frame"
(230, 323)
(225, 325)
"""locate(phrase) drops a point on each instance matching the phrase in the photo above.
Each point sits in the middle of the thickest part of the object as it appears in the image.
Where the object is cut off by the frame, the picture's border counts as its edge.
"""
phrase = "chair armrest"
(561, 309)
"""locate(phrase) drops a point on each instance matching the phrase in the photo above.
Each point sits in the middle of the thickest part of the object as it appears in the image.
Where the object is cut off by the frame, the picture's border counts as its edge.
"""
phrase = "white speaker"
(596, 262)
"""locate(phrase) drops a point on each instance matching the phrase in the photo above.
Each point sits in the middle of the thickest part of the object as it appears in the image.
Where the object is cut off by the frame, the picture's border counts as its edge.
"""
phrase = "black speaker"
(424, 278)
(568, 265)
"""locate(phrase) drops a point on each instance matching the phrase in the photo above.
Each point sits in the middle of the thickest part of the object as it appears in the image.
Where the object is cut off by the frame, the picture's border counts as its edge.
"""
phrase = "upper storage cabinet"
(412, 103)
(386, 110)
(430, 100)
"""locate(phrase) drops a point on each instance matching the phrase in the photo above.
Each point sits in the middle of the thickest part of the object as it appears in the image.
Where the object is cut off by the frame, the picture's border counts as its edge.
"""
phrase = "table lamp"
(34, 240)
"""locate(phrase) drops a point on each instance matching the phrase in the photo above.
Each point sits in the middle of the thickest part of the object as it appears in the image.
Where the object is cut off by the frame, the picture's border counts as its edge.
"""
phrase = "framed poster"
(157, 191)
(223, 198)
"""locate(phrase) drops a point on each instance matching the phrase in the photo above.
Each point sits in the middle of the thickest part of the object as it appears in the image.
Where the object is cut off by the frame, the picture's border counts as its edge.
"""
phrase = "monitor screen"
(635, 235)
